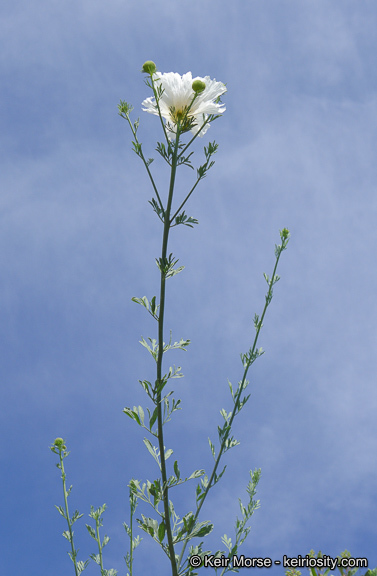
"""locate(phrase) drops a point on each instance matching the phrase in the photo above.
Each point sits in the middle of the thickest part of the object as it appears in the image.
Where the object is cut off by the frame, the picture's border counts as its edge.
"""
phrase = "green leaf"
(67, 535)
(196, 474)
(225, 415)
(188, 523)
(227, 541)
(185, 160)
(96, 558)
(143, 301)
(186, 220)
(154, 308)
(231, 389)
(152, 450)
(147, 386)
(137, 148)
(61, 511)
(105, 541)
(150, 306)
(168, 453)
(204, 482)
(154, 349)
(173, 271)
(141, 414)
(132, 414)
(201, 529)
(181, 345)
(153, 418)
(165, 153)
(76, 516)
(174, 373)
(149, 525)
(81, 566)
(154, 490)
(218, 476)
(136, 541)
(159, 211)
(161, 531)
(176, 470)
(230, 443)
(242, 402)
(212, 449)
(91, 531)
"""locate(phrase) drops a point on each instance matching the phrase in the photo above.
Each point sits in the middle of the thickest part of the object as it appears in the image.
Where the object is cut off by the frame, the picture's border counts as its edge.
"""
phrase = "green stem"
(209, 119)
(238, 397)
(158, 108)
(99, 545)
(67, 513)
(159, 358)
(185, 200)
(144, 160)
(132, 510)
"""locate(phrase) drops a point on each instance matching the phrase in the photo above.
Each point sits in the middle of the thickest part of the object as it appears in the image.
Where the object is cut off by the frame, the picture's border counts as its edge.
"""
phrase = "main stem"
(159, 359)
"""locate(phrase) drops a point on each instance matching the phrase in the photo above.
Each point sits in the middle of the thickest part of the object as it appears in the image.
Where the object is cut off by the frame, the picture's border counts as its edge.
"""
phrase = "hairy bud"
(198, 86)
(149, 67)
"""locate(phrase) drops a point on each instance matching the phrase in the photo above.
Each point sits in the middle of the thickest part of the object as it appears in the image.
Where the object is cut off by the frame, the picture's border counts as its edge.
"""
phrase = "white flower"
(179, 102)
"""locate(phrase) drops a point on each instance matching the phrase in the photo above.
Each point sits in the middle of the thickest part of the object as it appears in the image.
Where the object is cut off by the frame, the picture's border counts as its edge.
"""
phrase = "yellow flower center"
(179, 115)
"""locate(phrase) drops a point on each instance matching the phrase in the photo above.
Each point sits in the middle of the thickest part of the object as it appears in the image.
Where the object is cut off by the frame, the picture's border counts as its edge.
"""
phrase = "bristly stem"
(132, 510)
(124, 112)
(60, 449)
(74, 552)
(159, 382)
(248, 359)
(251, 354)
(134, 541)
(157, 97)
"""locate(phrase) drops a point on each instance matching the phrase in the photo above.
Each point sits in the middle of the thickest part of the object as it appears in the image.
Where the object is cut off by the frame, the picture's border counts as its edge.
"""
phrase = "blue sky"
(78, 240)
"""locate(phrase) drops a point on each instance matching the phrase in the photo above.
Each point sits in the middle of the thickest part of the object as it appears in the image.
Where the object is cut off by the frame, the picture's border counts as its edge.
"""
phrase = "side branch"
(247, 359)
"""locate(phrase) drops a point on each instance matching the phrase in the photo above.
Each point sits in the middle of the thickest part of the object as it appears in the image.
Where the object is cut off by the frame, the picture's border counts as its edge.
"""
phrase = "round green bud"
(198, 86)
(149, 67)
(59, 443)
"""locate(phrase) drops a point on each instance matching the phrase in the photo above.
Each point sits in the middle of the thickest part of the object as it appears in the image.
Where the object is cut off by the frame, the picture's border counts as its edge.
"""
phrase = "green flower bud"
(59, 443)
(198, 86)
(284, 234)
(149, 67)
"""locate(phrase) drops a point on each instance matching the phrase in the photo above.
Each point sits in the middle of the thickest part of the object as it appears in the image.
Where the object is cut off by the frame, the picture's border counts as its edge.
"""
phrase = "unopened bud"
(198, 86)
(149, 67)
(59, 443)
